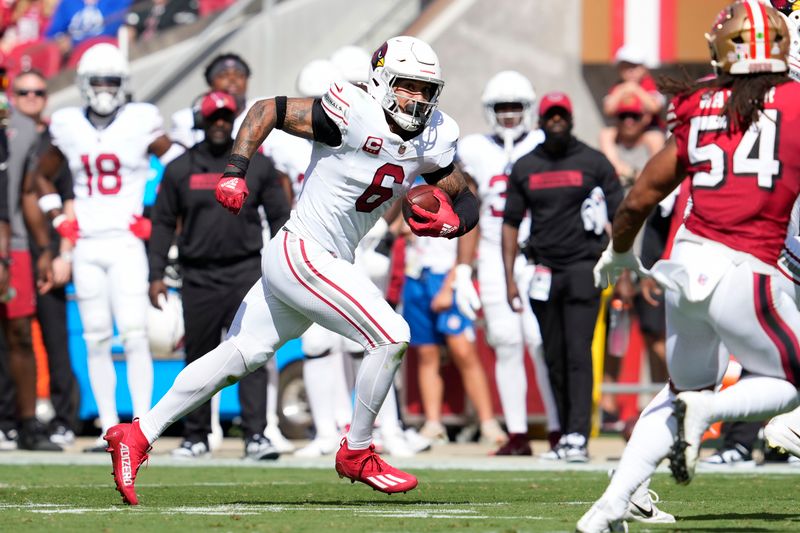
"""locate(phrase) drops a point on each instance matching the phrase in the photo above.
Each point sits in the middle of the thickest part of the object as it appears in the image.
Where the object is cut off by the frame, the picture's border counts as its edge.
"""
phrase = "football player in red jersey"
(732, 135)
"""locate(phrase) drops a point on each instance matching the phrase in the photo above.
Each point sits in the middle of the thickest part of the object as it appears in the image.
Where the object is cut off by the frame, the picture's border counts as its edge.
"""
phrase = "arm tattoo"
(260, 121)
(453, 184)
(298, 119)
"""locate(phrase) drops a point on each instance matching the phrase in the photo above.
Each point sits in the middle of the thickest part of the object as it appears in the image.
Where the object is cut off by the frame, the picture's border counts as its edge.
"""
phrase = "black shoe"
(33, 437)
(517, 444)
(190, 449)
(62, 435)
(259, 448)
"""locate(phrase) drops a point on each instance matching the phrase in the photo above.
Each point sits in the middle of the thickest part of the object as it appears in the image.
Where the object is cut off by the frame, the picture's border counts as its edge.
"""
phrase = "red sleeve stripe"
(339, 97)
(332, 112)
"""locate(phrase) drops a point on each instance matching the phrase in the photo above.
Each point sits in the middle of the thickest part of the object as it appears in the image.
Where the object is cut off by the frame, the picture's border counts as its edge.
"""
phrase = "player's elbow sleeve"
(467, 207)
(511, 220)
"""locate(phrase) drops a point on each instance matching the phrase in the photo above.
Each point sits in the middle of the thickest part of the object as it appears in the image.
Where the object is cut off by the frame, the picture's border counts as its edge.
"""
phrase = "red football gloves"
(141, 227)
(444, 223)
(67, 228)
(232, 189)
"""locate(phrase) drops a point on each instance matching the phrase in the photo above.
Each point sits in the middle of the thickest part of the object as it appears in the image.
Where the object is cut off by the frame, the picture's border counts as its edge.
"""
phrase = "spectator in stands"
(220, 256)
(19, 295)
(634, 81)
(149, 19)
(569, 189)
(75, 21)
(435, 321)
(28, 22)
(633, 145)
(29, 97)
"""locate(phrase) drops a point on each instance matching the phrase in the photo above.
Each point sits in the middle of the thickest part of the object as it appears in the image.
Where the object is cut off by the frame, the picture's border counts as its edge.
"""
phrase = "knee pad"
(398, 330)
(503, 334)
(97, 337)
(317, 356)
(318, 341)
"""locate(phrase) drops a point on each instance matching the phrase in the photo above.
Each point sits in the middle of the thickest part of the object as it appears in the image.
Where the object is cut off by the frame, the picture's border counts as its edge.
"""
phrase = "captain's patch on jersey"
(372, 145)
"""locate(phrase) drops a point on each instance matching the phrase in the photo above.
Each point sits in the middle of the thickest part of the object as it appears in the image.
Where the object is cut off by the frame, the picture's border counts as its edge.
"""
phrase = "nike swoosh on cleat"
(647, 513)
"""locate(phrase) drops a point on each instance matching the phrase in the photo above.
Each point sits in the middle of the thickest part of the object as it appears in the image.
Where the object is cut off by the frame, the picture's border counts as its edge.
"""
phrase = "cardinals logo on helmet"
(786, 6)
(379, 56)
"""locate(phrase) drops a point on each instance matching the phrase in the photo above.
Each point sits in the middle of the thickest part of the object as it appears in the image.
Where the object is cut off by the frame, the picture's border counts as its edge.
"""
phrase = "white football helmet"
(353, 63)
(793, 59)
(316, 77)
(103, 78)
(165, 328)
(405, 58)
(508, 86)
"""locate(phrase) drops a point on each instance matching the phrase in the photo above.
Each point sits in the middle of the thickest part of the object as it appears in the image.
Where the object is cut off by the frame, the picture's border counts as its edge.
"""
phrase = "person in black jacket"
(220, 257)
(569, 190)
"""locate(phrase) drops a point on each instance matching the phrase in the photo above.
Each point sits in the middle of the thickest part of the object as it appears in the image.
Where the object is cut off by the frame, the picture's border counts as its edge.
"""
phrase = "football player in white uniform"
(327, 352)
(107, 144)
(370, 146)
(487, 159)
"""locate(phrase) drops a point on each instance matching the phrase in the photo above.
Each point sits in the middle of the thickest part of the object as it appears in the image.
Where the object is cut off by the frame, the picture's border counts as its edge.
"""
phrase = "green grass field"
(73, 498)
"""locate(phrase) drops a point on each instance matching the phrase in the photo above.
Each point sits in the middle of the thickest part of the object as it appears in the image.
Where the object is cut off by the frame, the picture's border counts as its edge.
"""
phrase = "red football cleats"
(67, 228)
(443, 223)
(367, 467)
(141, 227)
(231, 192)
(128, 448)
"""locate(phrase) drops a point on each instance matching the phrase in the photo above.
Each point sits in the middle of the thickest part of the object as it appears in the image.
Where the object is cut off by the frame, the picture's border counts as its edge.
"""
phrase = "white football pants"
(110, 278)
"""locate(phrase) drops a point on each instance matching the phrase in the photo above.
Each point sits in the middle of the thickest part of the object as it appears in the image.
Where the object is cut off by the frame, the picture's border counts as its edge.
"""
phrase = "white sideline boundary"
(478, 464)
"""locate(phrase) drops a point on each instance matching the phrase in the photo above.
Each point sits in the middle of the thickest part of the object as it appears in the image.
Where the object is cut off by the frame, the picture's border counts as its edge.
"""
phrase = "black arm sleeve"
(433, 177)
(165, 218)
(274, 201)
(467, 207)
(63, 183)
(515, 201)
(325, 130)
(609, 182)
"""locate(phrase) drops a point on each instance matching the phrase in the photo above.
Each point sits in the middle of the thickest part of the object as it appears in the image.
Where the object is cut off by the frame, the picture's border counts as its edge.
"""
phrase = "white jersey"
(485, 159)
(109, 166)
(347, 188)
(291, 156)
(437, 255)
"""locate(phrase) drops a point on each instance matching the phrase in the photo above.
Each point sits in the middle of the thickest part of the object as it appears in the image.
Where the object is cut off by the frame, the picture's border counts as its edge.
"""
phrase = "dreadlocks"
(747, 92)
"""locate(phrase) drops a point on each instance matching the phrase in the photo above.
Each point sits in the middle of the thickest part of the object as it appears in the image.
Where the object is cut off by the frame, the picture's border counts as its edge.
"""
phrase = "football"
(422, 196)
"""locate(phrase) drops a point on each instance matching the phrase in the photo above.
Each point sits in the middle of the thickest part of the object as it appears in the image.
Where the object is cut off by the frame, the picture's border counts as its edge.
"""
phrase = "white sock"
(273, 385)
(754, 398)
(536, 352)
(388, 418)
(195, 384)
(343, 395)
(512, 385)
(140, 373)
(319, 374)
(650, 443)
(372, 384)
(103, 379)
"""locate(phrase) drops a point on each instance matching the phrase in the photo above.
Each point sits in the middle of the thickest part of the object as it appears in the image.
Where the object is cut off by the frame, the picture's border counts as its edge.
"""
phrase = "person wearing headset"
(220, 257)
